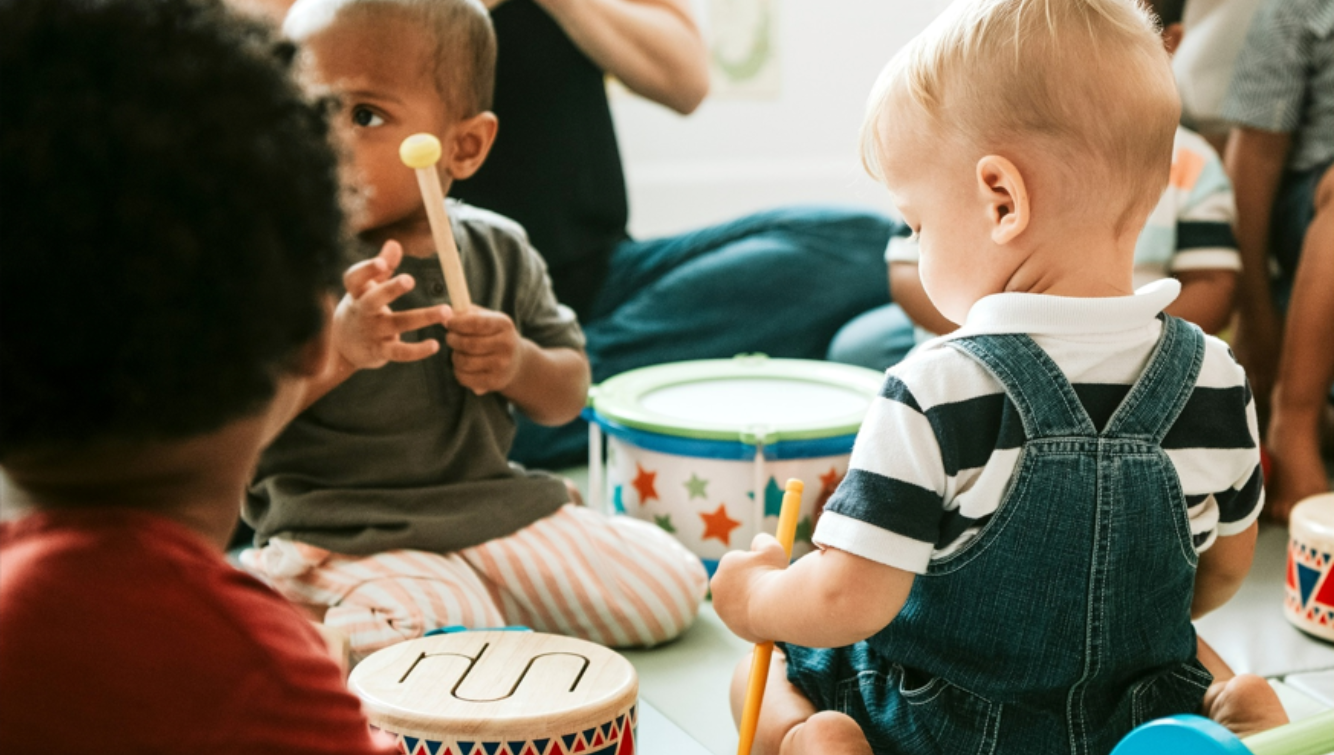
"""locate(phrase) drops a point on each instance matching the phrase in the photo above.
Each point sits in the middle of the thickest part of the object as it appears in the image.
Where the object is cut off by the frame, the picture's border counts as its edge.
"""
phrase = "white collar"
(1041, 314)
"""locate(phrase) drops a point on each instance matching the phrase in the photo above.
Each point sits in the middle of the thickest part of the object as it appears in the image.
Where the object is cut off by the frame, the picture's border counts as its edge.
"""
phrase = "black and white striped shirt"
(938, 448)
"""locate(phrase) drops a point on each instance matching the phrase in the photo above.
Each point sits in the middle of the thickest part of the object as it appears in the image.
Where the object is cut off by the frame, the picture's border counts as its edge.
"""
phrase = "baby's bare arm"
(1222, 569)
(1206, 298)
(552, 387)
(829, 598)
(905, 286)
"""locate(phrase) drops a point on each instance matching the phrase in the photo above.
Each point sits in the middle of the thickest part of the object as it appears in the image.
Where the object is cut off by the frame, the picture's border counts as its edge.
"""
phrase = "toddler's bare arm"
(1222, 569)
(829, 598)
(549, 385)
(552, 388)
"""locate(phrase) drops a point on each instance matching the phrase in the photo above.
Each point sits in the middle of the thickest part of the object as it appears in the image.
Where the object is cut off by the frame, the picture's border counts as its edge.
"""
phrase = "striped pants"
(616, 581)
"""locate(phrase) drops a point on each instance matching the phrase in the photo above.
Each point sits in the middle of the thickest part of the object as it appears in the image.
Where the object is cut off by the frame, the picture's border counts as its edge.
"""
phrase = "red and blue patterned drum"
(1309, 593)
(501, 693)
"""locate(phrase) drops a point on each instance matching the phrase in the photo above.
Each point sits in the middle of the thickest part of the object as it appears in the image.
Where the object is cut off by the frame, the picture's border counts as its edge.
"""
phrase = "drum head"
(493, 686)
(751, 398)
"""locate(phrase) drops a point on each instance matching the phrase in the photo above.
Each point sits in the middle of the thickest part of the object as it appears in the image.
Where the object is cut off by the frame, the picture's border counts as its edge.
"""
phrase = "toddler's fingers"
(401, 351)
(380, 294)
(477, 322)
(360, 276)
(470, 364)
(480, 383)
(413, 319)
(479, 346)
(391, 253)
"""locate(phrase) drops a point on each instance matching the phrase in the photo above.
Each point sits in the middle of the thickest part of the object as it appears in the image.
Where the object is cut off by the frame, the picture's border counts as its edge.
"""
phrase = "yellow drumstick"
(421, 152)
(759, 665)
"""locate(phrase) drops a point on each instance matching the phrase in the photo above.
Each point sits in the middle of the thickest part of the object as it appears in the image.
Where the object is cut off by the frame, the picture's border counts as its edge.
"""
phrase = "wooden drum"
(501, 693)
(1309, 593)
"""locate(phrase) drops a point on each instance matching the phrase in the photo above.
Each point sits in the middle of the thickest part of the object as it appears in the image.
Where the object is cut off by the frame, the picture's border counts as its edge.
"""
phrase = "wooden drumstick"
(759, 665)
(421, 152)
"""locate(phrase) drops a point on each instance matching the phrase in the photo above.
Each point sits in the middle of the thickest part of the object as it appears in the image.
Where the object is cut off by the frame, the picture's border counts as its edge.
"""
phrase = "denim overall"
(1066, 621)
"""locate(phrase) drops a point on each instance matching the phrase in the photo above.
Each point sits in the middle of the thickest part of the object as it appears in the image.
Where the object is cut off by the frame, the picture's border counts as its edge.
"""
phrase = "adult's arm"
(1255, 161)
(652, 46)
(1306, 367)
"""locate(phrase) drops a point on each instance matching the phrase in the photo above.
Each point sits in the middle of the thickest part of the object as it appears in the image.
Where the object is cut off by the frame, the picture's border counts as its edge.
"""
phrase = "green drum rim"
(619, 399)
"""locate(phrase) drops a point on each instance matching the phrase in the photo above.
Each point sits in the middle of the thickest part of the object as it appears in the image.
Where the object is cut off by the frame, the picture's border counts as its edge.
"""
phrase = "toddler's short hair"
(172, 221)
(1087, 80)
(463, 60)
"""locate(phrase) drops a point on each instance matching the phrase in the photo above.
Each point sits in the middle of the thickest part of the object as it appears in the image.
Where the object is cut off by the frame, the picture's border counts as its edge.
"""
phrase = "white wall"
(734, 156)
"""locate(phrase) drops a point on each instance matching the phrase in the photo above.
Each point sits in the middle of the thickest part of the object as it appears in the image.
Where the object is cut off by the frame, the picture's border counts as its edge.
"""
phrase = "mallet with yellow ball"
(421, 152)
(759, 665)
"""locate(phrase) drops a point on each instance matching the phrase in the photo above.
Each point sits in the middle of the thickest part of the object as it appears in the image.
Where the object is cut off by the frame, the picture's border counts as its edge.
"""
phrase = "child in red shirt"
(170, 240)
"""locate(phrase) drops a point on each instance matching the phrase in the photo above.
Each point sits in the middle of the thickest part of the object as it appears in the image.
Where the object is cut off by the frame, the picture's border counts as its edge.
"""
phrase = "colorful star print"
(805, 530)
(828, 484)
(829, 481)
(695, 487)
(644, 484)
(665, 522)
(719, 525)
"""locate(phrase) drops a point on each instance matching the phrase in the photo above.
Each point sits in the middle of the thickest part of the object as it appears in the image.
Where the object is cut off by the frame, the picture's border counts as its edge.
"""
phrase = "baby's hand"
(366, 331)
(488, 353)
(734, 583)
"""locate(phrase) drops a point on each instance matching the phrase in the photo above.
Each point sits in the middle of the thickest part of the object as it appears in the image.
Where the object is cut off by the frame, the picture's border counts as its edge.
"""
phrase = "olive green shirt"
(404, 456)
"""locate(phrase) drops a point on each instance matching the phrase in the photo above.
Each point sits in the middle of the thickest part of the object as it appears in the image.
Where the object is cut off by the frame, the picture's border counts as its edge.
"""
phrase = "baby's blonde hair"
(1086, 80)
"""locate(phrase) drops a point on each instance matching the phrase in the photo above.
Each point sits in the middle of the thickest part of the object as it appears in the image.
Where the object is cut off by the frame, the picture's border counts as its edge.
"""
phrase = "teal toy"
(1194, 735)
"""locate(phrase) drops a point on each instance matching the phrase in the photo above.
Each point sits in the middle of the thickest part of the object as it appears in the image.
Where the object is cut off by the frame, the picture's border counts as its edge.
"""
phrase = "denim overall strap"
(1044, 398)
(1147, 413)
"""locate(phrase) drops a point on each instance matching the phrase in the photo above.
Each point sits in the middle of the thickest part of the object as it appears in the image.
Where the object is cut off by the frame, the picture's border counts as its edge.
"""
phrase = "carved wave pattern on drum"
(612, 738)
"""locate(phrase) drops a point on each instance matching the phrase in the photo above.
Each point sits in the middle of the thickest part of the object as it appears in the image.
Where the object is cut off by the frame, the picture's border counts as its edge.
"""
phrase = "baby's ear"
(470, 143)
(1002, 190)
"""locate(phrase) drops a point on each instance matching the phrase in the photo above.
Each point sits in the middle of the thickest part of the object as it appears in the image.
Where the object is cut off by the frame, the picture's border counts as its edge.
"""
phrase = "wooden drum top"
(493, 685)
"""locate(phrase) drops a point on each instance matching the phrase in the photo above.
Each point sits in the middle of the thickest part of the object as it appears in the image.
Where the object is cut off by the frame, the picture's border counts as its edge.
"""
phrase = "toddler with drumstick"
(1039, 503)
(388, 506)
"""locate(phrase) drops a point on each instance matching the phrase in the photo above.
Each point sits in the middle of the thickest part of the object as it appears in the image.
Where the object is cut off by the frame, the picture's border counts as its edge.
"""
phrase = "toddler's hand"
(366, 331)
(735, 581)
(487, 349)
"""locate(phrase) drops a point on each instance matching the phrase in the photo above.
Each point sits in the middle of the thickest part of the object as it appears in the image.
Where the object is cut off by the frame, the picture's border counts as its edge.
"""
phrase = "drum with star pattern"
(698, 448)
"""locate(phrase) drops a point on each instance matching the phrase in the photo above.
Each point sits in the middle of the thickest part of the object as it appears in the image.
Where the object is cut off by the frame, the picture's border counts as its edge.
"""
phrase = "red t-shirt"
(123, 632)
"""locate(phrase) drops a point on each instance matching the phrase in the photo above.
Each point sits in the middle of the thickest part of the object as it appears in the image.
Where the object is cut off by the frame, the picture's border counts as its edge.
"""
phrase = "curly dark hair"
(1168, 11)
(170, 221)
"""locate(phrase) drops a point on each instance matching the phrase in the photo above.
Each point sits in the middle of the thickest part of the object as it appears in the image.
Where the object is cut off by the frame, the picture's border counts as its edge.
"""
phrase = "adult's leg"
(1306, 366)
(780, 282)
(616, 581)
(877, 340)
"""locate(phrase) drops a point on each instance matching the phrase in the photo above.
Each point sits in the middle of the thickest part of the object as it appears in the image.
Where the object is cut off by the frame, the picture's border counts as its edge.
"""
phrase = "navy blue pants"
(780, 282)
